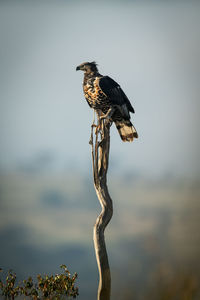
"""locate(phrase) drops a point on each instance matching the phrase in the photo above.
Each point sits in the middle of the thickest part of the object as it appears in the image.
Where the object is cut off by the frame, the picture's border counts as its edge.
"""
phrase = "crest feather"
(94, 63)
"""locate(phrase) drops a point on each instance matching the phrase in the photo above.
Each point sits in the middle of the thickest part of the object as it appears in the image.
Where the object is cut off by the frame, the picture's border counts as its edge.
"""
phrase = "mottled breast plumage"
(94, 95)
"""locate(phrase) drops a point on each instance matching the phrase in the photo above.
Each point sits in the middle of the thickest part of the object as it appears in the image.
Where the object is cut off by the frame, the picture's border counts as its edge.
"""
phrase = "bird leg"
(108, 115)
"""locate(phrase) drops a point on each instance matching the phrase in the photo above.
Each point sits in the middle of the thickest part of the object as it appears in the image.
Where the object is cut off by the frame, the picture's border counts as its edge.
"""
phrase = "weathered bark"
(100, 159)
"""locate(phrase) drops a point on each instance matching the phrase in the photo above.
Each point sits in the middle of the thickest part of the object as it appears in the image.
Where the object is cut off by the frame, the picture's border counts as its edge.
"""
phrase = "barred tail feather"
(126, 130)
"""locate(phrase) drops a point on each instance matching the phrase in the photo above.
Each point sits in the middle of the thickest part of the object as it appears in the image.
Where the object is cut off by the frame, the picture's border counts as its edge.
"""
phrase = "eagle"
(105, 95)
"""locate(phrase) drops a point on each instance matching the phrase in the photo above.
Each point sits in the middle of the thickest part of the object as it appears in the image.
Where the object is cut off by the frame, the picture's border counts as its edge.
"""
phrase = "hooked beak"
(78, 68)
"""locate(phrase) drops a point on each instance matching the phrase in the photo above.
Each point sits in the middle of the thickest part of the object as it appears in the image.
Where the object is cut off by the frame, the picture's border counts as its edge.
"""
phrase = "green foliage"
(48, 287)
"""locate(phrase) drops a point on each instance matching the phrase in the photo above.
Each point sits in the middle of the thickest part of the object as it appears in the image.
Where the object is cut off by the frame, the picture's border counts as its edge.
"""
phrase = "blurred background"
(47, 201)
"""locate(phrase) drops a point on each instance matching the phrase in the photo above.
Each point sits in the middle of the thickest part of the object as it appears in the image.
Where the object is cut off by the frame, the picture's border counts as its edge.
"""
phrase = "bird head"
(88, 67)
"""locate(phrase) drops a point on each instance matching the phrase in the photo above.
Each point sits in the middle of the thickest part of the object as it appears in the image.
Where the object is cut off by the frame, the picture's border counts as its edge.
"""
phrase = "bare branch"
(100, 160)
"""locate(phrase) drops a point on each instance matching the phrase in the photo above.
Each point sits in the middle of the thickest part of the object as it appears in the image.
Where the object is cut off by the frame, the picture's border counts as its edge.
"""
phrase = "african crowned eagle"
(105, 95)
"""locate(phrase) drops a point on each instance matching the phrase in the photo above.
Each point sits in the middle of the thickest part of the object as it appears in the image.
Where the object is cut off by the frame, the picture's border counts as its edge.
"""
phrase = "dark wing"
(112, 89)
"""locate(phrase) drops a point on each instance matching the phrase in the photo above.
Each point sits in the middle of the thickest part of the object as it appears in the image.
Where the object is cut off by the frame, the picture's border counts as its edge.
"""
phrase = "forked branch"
(100, 142)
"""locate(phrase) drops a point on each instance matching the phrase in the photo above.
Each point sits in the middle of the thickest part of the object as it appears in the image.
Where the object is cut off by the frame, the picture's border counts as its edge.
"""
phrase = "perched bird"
(105, 95)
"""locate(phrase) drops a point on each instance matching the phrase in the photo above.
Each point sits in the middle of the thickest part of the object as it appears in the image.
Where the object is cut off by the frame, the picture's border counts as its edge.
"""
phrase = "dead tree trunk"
(100, 158)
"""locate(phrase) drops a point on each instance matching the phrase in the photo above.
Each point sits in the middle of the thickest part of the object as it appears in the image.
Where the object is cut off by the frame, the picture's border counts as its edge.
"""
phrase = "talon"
(108, 121)
(102, 117)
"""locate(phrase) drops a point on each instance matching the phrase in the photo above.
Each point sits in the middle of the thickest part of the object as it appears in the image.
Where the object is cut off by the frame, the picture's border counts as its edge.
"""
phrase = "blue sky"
(150, 48)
